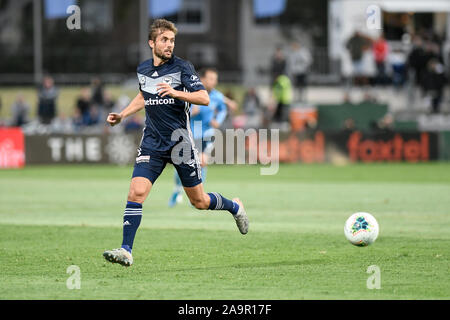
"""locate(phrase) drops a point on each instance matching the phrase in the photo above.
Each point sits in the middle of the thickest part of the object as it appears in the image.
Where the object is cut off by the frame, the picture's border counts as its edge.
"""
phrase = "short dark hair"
(204, 70)
(160, 25)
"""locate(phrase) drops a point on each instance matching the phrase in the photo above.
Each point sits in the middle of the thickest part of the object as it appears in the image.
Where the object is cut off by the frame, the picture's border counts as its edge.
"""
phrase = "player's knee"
(137, 194)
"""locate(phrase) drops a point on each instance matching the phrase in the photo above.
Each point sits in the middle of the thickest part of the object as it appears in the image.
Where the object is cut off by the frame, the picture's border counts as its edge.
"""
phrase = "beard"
(160, 54)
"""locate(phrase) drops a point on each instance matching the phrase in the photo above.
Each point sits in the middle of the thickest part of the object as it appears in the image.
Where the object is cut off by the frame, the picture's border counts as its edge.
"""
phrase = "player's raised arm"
(135, 105)
(199, 97)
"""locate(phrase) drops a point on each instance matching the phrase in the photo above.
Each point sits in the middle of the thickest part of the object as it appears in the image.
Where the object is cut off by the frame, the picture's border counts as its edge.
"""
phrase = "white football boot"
(241, 217)
(120, 256)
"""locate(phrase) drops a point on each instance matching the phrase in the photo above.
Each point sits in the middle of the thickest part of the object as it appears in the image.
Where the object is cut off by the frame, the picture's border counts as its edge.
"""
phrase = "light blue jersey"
(217, 110)
(201, 129)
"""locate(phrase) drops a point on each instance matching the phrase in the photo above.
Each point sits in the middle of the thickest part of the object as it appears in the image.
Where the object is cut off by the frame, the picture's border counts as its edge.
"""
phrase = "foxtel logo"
(152, 102)
(396, 149)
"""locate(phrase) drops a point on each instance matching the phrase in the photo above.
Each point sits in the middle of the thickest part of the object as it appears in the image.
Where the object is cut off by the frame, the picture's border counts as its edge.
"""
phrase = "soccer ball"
(361, 229)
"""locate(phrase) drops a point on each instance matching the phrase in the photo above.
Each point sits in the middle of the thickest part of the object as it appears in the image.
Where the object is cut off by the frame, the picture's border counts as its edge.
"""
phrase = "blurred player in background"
(168, 85)
(204, 119)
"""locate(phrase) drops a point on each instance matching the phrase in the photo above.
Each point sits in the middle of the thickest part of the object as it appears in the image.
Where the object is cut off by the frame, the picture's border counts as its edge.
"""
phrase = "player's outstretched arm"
(199, 97)
(135, 105)
(230, 103)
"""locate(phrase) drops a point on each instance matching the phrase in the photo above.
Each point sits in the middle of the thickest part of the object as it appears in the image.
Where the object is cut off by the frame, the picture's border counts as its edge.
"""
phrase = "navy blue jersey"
(165, 114)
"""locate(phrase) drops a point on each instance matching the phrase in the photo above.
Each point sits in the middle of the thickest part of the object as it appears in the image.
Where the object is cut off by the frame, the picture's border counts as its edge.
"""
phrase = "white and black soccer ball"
(361, 229)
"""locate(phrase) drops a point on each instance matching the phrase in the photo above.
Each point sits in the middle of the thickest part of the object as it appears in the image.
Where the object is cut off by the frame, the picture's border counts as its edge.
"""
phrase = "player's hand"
(114, 118)
(231, 104)
(165, 89)
(195, 110)
(213, 123)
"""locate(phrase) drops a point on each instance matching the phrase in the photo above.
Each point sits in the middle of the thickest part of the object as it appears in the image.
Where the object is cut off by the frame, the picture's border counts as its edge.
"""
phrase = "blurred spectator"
(232, 107)
(357, 45)
(97, 94)
(94, 115)
(108, 102)
(108, 105)
(432, 51)
(62, 124)
(416, 60)
(134, 123)
(384, 125)
(278, 64)
(434, 82)
(20, 111)
(381, 50)
(282, 91)
(311, 123)
(230, 101)
(122, 103)
(77, 120)
(298, 62)
(349, 125)
(47, 100)
(83, 107)
(415, 70)
(426, 69)
(398, 61)
(252, 109)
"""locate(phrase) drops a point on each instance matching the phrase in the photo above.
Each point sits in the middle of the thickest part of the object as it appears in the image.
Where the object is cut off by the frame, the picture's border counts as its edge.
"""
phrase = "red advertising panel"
(356, 146)
(12, 148)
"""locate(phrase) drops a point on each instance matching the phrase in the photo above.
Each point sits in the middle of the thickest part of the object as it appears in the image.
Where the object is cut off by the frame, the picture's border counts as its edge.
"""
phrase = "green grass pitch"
(52, 217)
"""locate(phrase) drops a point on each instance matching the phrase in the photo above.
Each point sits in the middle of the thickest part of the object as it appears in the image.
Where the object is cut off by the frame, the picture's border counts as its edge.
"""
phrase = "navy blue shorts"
(151, 164)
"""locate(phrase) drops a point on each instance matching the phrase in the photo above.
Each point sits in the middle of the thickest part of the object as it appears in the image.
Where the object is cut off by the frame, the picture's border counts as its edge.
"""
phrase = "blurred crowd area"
(417, 67)
(421, 73)
(420, 65)
(88, 111)
(86, 114)
(410, 76)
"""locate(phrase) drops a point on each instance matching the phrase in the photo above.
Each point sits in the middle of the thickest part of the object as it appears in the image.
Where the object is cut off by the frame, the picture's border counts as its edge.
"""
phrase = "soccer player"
(204, 119)
(168, 85)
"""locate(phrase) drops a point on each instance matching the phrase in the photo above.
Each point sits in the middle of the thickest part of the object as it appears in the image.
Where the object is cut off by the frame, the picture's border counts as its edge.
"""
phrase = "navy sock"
(218, 202)
(131, 221)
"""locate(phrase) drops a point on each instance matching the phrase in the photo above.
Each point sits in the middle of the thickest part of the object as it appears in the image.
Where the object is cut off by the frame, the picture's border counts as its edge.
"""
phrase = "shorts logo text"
(143, 159)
